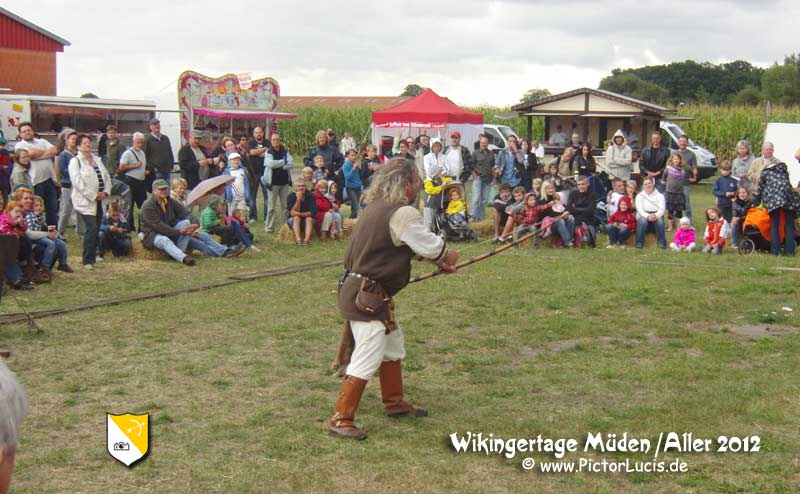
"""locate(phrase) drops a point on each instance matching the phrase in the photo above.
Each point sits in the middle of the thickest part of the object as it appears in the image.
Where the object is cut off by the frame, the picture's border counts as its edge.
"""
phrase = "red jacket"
(323, 206)
(628, 218)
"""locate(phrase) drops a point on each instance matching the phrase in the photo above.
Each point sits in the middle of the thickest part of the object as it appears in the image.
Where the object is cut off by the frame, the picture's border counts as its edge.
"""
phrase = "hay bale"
(286, 235)
(139, 251)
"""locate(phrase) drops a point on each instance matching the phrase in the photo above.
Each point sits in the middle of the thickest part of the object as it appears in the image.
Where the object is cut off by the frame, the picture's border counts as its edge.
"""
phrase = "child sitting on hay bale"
(212, 221)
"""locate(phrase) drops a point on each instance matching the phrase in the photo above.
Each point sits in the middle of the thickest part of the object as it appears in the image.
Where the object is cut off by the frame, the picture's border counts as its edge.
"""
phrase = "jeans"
(47, 191)
(276, 193)
(642, 226)
(254, 198)
(566, 229)
(712, 250)
(51, 249)
(91, 236)
(618, 235)
(242, 236)
(524, 230)
(774, 232)
(119, 245)
(737, 232)
(354, 195)
(176, 250)
(687, 190)
(481, 190)
(65, 212)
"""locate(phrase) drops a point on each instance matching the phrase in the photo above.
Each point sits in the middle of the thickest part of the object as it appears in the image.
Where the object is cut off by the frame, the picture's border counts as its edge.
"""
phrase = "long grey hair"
(390, 182)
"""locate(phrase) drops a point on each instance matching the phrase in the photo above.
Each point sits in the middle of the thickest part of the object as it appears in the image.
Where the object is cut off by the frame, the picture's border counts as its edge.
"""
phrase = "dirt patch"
(762, 330)
(526, 352)
(562, 345)
(694, 352)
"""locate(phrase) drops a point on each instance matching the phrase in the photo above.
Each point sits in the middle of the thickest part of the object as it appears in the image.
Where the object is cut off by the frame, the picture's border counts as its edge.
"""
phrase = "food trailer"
(227, 105)
(51, 114)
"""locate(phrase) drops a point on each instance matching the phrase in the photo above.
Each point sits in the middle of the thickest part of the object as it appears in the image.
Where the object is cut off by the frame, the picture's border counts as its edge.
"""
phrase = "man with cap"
(195, 161)
(168, 226)
(158, 150)
(457, 158)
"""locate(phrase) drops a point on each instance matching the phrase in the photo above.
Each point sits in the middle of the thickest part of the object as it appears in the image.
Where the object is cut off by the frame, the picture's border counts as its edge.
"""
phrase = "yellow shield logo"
(127, 437)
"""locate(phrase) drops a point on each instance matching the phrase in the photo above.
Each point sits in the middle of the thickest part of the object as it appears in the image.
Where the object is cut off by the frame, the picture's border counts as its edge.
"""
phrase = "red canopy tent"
(426, 111)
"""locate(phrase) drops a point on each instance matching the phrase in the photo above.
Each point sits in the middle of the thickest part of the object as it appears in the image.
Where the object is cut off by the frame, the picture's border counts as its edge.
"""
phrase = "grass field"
(551, 342)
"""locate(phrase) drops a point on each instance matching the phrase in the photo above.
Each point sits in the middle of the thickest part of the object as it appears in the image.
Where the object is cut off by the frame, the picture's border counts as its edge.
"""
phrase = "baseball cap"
(455, 133)
(234, 156)
(160, 183)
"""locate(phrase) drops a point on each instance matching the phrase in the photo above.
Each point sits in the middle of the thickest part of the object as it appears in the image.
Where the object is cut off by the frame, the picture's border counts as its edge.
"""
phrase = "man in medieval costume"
(377, 266)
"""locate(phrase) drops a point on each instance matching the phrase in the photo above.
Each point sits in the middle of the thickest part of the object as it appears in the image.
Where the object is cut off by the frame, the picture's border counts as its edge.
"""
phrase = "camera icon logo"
(122, 446)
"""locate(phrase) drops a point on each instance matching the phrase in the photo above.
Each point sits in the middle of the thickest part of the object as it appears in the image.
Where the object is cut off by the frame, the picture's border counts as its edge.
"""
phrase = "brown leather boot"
(391, 375)
(341, 423)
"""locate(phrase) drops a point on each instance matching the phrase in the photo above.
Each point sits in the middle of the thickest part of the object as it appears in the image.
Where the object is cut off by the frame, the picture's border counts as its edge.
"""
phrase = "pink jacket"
(684, 237)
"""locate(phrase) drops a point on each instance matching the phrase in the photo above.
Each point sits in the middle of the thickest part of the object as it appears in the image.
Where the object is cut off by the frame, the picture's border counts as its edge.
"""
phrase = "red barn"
(28, 55)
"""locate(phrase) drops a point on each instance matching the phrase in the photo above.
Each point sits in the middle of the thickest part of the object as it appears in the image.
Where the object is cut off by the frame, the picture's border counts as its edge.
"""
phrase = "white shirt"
(434, 163)
(558, 139)
(131, 156)
(407, 228)
(453, 162)
(346, 144)
(40, 170)
(539, 151)
(647, 204)
(238, 184)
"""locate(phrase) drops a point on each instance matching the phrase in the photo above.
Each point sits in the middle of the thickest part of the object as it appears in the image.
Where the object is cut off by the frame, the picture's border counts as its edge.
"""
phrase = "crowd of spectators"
(571, 197)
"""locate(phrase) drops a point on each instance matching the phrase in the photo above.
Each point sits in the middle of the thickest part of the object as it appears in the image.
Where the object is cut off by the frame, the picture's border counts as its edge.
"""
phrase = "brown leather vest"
(372, 253)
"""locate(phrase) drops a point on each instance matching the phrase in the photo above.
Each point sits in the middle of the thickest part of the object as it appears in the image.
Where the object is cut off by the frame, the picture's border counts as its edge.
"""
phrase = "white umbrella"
(210, 185)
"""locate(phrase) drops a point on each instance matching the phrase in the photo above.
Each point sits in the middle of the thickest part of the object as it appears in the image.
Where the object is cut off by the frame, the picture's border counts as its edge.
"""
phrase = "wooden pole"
(481, 257)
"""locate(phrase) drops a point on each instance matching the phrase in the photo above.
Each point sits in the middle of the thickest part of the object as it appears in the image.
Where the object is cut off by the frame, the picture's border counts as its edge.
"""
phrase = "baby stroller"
(756, 231)
(446, 227)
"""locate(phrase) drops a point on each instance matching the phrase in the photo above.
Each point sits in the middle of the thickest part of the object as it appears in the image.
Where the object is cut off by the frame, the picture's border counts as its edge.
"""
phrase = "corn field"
(719, 127)
(714, 127)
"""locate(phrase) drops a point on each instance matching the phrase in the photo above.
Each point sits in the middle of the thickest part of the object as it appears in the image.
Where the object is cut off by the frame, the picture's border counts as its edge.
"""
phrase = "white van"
(706, 161)
(498, 135)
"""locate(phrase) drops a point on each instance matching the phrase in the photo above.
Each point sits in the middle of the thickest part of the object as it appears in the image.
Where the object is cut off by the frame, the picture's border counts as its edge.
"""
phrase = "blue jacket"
(505, 163)
(228, 195)
(274, 160)
(352, 178)
(722, 186)
(63, 167)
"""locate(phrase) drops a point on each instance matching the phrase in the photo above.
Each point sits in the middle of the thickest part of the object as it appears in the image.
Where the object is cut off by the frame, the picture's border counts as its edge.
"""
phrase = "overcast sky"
(469, 50)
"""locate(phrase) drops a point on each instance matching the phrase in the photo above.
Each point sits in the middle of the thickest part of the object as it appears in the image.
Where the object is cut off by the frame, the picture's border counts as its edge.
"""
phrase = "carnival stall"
(428, 112)
(231, 104)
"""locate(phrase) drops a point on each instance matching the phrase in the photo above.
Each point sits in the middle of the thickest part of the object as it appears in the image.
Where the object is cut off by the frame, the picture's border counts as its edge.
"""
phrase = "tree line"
(738, 82)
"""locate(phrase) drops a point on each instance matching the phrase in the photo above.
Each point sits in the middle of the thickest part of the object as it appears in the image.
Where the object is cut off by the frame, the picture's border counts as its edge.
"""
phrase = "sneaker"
(99, 259)
(254, 248)
(623, 247)
(88, 267)
(188, 261)
(22, 286)
(65, 268)
(611, 246)
(234, 251)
